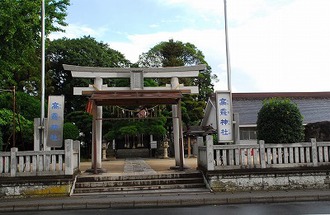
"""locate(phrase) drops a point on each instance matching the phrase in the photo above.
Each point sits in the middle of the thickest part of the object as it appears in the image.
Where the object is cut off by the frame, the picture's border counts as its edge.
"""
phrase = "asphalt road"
(235, 209)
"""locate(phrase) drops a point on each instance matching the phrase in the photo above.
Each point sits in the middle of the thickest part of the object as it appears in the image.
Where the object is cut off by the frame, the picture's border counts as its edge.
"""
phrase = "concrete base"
(97, 171)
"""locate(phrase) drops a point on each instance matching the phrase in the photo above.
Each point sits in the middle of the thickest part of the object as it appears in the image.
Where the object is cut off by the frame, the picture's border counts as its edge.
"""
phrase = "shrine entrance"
(135, 95)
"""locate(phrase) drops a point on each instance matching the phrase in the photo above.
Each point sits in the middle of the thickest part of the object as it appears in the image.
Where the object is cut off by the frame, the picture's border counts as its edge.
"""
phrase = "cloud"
(287, 51)
(274, 45)
(76, 31)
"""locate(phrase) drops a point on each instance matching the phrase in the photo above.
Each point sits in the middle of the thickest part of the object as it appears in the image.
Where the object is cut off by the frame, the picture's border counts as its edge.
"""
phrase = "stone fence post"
(76, 148)
(68, 157)
(314, 151)
(209, 152)
(262, 154)
(13, 161)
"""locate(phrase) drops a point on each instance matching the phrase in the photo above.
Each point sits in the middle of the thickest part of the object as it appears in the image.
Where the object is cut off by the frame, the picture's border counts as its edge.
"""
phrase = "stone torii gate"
(136, 94)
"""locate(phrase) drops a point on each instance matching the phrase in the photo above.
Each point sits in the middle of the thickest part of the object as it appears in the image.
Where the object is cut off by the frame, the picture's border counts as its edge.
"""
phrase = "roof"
(314, 106)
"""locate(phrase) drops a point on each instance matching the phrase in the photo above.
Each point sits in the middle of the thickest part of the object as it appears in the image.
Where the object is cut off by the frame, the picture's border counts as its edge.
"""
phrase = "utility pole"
(42, 114)
(14, 116)
(227, 48)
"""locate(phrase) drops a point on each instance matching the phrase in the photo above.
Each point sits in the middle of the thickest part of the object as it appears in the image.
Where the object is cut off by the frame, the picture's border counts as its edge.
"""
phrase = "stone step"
(92, 178)
(143, 182)
(158, 188)
(163, 192)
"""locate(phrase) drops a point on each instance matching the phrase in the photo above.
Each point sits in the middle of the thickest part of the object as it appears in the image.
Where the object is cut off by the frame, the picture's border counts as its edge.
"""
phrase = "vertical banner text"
(55, 121)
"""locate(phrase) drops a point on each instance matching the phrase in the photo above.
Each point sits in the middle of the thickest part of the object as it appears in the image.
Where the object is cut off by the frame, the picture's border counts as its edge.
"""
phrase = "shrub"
(279, 121)
(70, 131)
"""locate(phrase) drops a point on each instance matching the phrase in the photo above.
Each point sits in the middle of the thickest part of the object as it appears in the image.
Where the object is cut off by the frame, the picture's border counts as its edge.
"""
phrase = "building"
(314, 106)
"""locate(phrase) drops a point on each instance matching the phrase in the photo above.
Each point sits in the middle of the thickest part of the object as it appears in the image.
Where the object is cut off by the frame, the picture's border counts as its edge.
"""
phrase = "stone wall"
(35, 186)
(268, 181)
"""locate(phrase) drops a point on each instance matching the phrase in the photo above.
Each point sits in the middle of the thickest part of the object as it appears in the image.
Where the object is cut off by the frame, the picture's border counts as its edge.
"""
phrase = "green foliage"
(83, 121)
(1, 141)
(85, 51)
(24, 129)
(20, 27)
(26, 105)
(129, 130)
(111, 135)
(177, 53)
(280, 121)
(70, 131)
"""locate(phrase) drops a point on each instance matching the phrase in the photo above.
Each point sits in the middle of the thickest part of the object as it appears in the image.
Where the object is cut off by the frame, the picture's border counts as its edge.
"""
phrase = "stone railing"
(34, 163)
(219, 157)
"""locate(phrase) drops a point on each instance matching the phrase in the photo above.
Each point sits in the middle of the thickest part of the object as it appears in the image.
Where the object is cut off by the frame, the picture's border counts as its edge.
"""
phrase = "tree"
(85, 51)
(23, 129)
(20, 27)
(26, 105)
(280, 121)
(70, 131)
(177, 53)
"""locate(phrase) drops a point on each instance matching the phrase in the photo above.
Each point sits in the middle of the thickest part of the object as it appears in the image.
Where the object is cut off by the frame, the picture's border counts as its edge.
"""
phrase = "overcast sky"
(275, 45)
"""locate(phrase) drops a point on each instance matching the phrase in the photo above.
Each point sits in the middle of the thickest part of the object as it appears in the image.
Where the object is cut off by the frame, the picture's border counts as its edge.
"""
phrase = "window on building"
(248, 134)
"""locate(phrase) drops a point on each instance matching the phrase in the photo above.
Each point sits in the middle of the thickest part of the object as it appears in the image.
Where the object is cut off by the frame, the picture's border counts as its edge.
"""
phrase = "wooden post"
(189, 146)
(314, 152)
(13, 161)
(68, 157)
(262, 154)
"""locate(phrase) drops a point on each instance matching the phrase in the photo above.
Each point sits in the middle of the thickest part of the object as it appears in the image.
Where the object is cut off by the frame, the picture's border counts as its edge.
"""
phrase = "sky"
(274, 45)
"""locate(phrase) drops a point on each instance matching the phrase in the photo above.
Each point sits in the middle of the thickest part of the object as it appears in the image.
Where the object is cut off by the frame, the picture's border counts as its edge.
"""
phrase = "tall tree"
(85, 51)
(177, 53)
(20, 27)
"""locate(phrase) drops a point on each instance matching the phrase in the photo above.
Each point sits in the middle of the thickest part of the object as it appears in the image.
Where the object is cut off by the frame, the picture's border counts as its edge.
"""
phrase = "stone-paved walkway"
(137, 166)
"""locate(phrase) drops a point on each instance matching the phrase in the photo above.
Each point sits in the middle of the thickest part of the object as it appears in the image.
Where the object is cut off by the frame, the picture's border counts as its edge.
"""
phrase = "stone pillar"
(97, 147)
(209, 152)
(176, 135)
(176, 126)
(68, 157)
(36, 142)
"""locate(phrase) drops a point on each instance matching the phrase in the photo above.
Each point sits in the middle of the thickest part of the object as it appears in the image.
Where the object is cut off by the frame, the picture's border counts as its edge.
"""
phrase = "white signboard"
(224, 116)
(55, 121)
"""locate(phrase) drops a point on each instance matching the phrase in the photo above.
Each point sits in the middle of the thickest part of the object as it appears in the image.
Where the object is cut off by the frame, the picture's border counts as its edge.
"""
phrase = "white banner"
(55, 121)
(224, 116)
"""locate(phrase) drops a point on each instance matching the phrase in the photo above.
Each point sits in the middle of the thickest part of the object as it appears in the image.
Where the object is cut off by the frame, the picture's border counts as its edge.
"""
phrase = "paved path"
(137, 166)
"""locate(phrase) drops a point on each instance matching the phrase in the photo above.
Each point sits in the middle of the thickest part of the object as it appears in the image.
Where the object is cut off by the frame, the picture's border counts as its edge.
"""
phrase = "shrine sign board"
(224, 116)
(55, 121)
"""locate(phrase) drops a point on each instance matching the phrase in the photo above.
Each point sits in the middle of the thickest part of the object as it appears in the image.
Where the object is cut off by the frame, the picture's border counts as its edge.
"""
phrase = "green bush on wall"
(1, 141)
(280, 121)
(70, 131)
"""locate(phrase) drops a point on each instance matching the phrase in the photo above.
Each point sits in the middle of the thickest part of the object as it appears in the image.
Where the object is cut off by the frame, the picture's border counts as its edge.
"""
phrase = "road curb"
(154, 202)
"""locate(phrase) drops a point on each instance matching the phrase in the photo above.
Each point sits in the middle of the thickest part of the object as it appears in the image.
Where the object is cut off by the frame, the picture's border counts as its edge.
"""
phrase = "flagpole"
(42, 113)
(227, 48)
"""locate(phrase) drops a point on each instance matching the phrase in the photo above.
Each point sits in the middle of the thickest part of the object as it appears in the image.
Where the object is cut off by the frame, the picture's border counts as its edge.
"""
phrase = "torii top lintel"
(106, 72)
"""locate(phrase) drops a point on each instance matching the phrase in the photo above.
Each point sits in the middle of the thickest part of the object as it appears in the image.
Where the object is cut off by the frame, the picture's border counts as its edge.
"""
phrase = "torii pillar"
(97, 133)
(177, 129)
